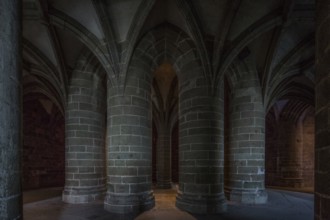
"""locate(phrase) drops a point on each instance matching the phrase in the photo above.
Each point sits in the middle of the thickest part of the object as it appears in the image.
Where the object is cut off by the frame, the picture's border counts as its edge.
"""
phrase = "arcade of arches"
(110, 99)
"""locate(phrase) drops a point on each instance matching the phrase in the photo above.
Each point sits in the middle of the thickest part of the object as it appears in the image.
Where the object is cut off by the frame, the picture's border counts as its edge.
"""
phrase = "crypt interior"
(218, 107)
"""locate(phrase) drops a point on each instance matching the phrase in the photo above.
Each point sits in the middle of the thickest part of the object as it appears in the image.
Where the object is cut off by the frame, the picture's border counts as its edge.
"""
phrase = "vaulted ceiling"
(278, 35)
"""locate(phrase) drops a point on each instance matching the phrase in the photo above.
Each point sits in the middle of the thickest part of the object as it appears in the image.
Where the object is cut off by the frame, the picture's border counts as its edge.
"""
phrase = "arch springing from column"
(200, 116)
(85, 126)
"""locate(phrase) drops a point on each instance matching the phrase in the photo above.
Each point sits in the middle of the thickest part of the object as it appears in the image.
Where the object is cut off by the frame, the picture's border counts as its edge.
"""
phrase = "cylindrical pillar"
(129, 147)
(85, 135)
(10, 110)
(164, 157)
(200, 149)
(322, 113)
(246, 143)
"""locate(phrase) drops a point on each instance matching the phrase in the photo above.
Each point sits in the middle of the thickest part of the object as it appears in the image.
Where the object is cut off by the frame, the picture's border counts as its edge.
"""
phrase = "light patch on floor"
(282, 205)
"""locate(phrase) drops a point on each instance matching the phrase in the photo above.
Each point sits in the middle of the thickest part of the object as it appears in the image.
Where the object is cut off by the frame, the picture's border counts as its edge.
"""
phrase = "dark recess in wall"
(43, 144)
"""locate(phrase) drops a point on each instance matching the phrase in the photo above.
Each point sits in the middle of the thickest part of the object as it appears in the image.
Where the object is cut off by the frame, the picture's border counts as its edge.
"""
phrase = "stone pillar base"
(82, 195)
(129, 204)
(248, 196)
(201, 204)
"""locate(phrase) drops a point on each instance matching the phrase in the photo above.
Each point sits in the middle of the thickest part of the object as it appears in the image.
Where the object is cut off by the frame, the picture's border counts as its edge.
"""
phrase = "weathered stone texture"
(154, 153)
(129, 144)
(289, 151)
(200, 116)
(43, 144)
(164, 158)
(85, 136)
(246, 150)
(308, 151)
(10, 110)
(174, 156)
(200, 150)
(175, 153)
(322, 126)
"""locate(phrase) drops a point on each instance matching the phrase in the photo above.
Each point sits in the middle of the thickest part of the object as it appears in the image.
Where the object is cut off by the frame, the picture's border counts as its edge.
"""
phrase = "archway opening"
(43, 148)
(290, 146)
(165, 126)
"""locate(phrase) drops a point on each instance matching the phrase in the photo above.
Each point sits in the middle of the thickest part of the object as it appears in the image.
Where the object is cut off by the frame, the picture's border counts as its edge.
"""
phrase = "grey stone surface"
(322, 131)
(201, 120)
(10, 110)
(246, 150)
(200, 150)
(129, 146)
(85, 137)
(164, 158)
(200, 38)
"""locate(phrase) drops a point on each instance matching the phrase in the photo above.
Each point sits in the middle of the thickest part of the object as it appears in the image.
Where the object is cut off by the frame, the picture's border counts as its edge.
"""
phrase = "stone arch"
(164, 98)
(261, 26)
(241, 69)
(166, 42)
(43, 99)
(46, 77)
(95, 45)
(87, 61)
(200, 116)
(290, 144)
(164, 112)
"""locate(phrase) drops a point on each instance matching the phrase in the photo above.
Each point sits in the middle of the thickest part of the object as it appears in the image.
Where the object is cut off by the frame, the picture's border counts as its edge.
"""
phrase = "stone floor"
(282, 205)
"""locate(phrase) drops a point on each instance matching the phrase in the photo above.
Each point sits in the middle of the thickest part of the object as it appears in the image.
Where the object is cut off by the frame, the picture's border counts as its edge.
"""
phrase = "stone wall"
(272, 150)
(43, 144)
(175, 153)
(308, 151)
(154, 153)
(322, 113)
(290, 152)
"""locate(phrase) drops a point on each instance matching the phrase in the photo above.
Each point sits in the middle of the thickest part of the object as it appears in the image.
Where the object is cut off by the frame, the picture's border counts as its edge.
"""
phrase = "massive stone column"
(85, 135)
(200, 147)
(164, 157)
(246, 143)
(10, 110)
(129, 146)
(322, 113)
